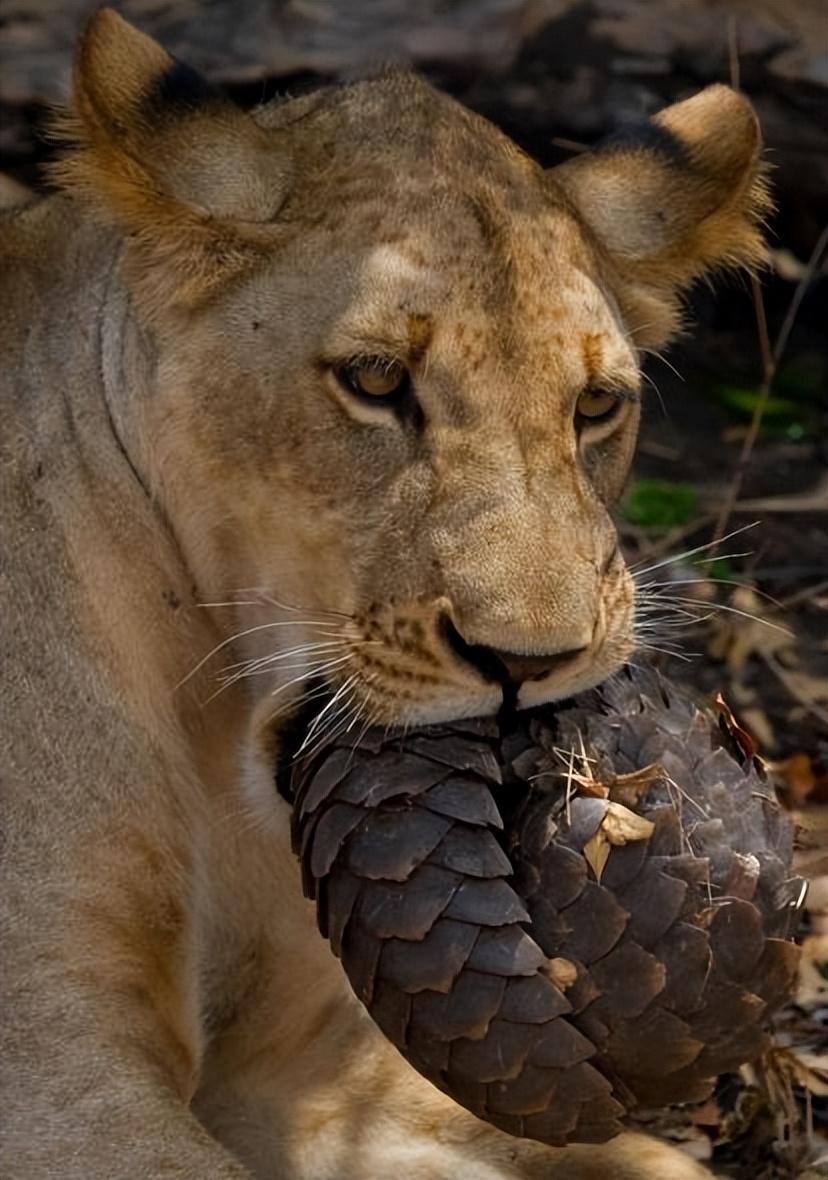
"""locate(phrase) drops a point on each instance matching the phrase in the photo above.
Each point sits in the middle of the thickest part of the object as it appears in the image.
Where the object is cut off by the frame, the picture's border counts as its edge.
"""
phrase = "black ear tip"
(645, 136)
(182, 87)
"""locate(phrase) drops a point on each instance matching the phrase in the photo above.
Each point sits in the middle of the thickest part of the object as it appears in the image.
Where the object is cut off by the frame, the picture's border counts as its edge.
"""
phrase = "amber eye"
(377, 378)
(596, 405)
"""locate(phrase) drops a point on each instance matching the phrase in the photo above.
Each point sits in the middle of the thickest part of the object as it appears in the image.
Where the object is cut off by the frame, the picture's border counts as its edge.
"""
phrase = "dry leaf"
(596, 853)
(618, 826)
(816, 902)
(591, 788)
(740, 735)
(622, 825)
(811, 841)
(562, 972)
(812, 987)
(810, 859)
(810, 863)
(747, 630)
(628, 788)
(812, 826)
(758, 723)
(797, 773)
(809, 689)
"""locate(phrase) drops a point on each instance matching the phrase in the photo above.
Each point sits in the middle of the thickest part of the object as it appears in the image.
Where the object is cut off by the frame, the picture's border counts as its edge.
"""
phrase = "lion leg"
(629, 1157)
(297, 1081)
(99, 1046)
(347, 1106)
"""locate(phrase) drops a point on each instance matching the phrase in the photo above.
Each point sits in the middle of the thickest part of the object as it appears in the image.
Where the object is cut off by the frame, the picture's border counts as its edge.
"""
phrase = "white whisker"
(659, 357)
(732, 610)
(639, 573)
(240, 635)
(328, 731)
(686, 656)
(279, 654)
(309, 669)
(303, 699)
(315, 724)
(717, 582)
(234, 602)
(336, 614)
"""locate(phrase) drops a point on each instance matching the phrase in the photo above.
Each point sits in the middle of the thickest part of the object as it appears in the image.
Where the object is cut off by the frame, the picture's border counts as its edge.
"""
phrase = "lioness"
(337, 393)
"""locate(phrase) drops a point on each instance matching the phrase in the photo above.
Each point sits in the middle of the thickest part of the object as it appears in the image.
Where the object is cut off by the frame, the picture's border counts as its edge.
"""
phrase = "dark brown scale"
(451, 876)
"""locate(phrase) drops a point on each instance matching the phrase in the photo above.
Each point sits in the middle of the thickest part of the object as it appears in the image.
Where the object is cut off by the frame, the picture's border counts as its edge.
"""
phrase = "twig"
(770, 364)
(569, 145)
(814, 501)
(808, 703)
(799, 294)
(733, 50)
(804, 594)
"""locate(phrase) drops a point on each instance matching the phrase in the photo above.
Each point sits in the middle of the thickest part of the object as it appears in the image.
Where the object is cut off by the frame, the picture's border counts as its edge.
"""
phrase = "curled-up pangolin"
(563, 918)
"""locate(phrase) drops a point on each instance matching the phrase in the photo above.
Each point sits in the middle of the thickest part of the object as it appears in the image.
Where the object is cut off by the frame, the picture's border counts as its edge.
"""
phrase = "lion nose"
(526, 667)
(498, 664)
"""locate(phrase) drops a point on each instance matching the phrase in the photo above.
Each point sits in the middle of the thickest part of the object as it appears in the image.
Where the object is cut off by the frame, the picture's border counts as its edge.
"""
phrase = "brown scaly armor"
(551, 967)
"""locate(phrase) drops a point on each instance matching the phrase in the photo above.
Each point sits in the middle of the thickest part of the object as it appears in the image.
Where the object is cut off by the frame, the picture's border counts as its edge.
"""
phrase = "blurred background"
(728, 502)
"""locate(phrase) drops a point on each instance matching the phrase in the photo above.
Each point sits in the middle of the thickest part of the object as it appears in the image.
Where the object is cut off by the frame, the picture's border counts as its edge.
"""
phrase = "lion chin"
(334, 397)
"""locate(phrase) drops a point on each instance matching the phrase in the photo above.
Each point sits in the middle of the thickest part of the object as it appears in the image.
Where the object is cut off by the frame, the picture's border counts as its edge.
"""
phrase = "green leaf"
(721, 569)
(659, 504)
(783, 417)
(745, 401)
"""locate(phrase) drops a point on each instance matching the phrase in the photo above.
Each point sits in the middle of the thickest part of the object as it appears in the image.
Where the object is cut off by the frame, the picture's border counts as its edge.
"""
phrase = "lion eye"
(376, 377)
(597, 405)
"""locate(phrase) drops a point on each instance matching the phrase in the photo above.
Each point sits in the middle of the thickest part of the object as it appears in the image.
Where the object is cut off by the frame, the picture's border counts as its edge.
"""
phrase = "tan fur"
(174, 435)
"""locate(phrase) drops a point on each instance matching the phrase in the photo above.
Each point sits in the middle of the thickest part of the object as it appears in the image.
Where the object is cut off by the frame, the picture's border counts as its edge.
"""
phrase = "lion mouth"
(507, 671)
(482, 659)
(412, 667)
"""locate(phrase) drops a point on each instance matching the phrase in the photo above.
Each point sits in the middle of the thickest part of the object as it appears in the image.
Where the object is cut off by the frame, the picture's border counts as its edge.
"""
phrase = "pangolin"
(564, 917)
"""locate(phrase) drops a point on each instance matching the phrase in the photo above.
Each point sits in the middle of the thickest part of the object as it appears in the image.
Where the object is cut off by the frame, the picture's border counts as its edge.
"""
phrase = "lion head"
(385, 369)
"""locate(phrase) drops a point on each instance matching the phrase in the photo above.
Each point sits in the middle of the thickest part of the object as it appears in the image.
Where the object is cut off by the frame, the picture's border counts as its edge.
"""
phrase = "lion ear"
(188, 174)
(672, 199)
